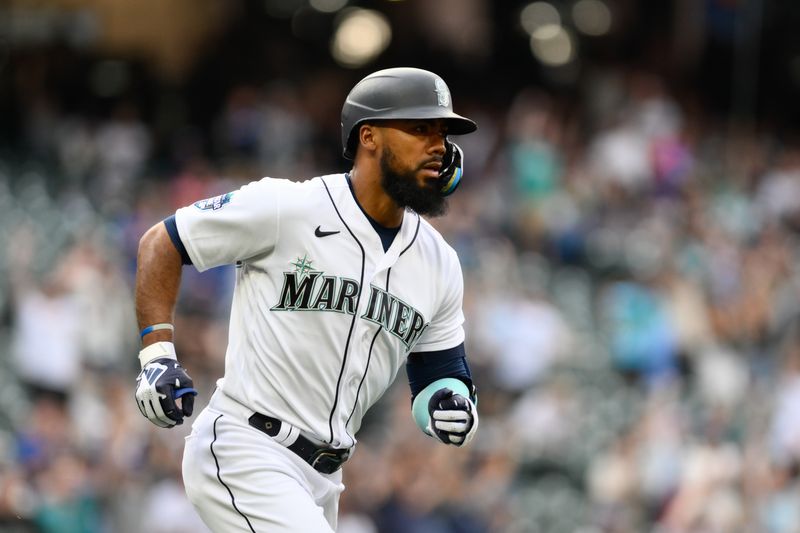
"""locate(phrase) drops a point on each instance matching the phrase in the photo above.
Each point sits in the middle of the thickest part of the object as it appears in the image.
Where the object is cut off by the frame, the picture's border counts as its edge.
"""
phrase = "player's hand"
(452, 168)
(160, 383)
(453, 417)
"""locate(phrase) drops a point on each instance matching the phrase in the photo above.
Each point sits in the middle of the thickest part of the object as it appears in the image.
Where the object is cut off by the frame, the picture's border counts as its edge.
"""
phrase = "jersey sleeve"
(231, 227)
(446, 328)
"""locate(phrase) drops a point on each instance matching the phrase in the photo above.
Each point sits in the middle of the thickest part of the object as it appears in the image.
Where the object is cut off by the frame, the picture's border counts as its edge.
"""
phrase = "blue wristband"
(156, 327)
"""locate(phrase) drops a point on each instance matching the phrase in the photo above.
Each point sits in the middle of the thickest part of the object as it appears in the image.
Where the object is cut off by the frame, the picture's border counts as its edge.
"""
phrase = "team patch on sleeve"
(214, 203)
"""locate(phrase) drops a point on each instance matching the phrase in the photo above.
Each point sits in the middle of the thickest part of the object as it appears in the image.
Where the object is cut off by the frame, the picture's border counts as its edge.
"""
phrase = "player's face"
(411, 159)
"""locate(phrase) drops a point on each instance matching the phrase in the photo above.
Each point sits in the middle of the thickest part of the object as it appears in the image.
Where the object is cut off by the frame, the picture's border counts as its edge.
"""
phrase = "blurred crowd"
(631, 294)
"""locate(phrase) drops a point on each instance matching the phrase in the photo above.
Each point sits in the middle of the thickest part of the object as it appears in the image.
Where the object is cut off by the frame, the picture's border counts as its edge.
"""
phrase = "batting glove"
(453, 417)
(162, 381)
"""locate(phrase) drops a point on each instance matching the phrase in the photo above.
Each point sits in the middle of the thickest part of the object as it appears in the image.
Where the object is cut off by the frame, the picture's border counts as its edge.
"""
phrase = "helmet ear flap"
(452, 168)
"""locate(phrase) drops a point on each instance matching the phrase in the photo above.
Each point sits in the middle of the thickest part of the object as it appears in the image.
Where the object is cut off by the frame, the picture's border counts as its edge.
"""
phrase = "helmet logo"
(442, 93)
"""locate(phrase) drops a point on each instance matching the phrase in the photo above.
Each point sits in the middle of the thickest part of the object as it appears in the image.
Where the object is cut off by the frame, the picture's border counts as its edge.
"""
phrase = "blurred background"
(628, 228)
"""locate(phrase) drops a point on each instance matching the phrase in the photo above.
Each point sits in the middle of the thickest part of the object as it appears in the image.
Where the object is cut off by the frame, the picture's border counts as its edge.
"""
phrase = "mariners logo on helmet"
(442, 92)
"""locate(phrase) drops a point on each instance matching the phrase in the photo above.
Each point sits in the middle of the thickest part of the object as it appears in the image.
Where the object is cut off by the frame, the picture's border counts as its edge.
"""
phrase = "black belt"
(324, 460)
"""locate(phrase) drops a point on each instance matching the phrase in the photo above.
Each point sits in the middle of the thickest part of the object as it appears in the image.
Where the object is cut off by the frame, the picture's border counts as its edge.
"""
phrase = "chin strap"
(452, 168)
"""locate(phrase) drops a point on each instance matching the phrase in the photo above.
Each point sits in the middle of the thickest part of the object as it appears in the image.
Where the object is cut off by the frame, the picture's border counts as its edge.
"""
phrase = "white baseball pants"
(241, 480)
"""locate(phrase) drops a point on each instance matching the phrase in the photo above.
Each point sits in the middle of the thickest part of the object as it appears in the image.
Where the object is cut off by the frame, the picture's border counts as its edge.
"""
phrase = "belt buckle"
(328, 461)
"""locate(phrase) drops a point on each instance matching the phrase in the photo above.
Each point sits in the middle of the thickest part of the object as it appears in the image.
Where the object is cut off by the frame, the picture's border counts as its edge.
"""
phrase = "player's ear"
(367, 134)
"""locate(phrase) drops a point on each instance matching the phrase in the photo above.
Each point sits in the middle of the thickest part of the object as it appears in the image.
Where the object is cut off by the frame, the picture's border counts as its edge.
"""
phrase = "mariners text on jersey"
(305, 293)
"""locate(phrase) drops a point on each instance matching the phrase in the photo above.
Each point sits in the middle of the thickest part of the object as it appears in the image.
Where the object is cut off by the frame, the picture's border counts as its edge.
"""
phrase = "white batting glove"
(162, 381)
(453, 418)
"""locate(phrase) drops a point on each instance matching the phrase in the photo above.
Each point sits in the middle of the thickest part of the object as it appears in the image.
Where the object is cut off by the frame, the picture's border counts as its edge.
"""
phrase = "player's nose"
(436, 143)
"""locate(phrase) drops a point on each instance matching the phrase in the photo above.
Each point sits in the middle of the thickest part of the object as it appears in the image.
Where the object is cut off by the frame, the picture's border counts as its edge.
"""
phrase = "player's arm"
(162, 380)
(443, 397)
(158, 278)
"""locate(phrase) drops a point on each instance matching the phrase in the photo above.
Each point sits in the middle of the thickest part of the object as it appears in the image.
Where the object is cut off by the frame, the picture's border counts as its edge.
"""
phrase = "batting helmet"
(399, 93)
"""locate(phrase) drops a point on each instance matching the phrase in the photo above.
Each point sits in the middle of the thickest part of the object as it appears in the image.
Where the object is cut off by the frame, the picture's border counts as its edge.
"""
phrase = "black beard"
(402, 188)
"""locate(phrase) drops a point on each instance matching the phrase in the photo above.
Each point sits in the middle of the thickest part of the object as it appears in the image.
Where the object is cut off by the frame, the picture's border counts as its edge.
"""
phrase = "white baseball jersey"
(322, 318)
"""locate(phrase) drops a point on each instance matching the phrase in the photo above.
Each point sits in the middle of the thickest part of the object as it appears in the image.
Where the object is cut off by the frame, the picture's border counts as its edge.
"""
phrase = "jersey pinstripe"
(322, 318)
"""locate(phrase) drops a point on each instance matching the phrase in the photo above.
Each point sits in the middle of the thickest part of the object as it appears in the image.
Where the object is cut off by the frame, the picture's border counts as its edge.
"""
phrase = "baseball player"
(339, 283)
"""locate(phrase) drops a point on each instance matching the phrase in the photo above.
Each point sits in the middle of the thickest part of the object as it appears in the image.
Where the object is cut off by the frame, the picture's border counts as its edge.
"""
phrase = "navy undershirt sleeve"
(172, 230)
(423, 368)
